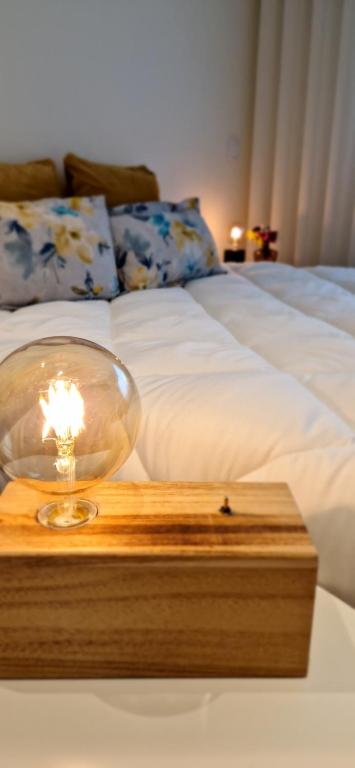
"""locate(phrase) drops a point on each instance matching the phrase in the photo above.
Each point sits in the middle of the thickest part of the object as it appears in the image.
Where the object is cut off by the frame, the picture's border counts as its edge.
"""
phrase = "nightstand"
(232, 254)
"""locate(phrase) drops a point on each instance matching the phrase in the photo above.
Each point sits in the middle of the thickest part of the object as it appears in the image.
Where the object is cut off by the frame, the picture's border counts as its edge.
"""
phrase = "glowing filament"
(63, 411)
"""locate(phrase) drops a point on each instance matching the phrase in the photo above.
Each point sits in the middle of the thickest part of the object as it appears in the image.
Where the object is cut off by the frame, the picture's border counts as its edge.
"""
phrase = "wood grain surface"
(160, 584)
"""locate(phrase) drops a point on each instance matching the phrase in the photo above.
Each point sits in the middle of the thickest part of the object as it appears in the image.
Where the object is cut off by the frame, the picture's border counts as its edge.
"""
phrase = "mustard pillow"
(120, 184)
(29, 181)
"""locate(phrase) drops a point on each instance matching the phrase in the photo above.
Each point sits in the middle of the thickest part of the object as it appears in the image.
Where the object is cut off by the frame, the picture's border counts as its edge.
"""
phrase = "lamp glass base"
(69, 513)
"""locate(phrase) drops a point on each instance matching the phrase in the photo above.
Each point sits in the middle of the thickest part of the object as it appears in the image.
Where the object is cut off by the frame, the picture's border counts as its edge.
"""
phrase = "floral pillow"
(160, 244)
(56, 249)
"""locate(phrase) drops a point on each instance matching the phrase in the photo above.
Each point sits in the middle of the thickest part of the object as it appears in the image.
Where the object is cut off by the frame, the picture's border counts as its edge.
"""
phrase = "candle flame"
(63, 411)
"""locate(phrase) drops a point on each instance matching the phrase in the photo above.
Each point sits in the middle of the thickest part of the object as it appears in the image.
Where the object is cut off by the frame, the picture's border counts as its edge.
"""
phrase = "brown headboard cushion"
(29, 181)
(120, 184)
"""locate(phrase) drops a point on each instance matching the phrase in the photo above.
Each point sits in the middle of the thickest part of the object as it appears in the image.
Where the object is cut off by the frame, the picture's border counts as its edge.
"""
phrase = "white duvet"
(248, 375)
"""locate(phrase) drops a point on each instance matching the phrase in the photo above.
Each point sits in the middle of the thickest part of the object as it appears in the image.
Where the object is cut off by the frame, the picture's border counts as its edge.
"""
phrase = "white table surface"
(242, 723)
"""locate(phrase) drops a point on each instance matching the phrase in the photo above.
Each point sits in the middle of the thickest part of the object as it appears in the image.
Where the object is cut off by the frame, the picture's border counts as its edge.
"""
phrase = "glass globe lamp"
(69, 418)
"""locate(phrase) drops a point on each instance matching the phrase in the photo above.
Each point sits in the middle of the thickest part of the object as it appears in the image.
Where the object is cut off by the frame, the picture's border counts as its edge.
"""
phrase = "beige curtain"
(303, 159)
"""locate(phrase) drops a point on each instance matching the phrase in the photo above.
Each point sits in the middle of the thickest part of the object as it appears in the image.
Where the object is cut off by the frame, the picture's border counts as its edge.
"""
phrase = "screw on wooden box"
(165, 582)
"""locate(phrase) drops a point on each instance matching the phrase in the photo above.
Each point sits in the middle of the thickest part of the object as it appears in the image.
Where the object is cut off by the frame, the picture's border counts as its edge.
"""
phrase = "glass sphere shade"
(69, 414)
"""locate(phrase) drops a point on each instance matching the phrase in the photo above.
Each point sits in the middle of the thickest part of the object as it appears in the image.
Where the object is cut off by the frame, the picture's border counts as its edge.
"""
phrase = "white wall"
(164, 82)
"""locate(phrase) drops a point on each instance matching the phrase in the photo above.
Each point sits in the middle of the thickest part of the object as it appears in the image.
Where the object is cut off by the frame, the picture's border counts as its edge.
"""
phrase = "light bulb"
(70, 414)
(235, 234)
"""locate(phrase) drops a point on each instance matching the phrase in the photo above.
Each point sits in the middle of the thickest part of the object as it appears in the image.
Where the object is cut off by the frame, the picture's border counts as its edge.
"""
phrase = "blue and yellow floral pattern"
(160, 244)
(56, 249)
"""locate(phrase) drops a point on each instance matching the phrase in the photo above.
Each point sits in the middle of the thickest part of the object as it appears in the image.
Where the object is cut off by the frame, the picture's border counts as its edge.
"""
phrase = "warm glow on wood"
(63, 411)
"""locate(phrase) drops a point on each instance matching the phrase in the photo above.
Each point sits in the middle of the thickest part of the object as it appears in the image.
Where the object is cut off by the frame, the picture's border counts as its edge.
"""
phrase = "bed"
(247, 375)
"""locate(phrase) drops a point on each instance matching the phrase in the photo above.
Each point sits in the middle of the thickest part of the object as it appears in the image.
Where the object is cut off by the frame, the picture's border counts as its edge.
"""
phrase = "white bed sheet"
(306, 292)
(342, 276)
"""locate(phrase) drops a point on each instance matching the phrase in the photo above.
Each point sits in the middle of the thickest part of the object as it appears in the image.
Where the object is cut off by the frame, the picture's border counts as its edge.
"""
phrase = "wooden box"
(161, 584)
